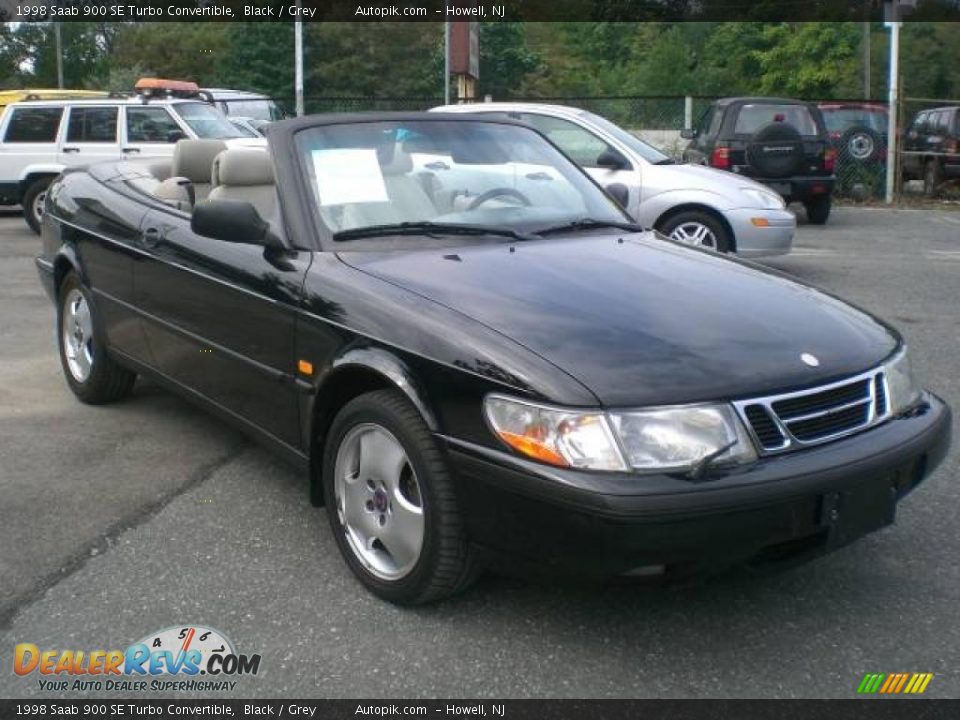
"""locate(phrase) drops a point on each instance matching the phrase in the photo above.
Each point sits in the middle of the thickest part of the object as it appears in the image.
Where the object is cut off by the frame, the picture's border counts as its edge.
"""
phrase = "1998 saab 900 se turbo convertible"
(497, 371)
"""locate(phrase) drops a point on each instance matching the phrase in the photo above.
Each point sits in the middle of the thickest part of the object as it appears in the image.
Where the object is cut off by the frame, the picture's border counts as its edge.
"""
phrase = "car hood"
(640, 320)
(699, 177)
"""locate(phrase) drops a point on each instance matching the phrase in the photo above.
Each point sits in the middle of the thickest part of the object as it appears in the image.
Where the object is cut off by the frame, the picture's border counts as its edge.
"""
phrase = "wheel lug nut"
(383, 520)
(370, 505)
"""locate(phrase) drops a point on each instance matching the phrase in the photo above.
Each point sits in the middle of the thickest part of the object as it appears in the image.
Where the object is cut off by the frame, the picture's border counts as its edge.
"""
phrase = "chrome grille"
(789, 421)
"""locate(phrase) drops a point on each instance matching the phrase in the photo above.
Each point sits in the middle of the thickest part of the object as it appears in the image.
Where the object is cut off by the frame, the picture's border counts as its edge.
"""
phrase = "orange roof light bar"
(177, 86)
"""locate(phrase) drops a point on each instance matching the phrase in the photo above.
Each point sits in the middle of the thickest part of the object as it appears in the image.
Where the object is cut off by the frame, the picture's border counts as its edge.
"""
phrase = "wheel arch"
(700, 207)
(355, 373)
(32, 174)
(65, 261)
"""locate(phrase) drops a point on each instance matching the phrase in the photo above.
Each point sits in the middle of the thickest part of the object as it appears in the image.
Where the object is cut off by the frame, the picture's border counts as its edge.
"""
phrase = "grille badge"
(810, 360)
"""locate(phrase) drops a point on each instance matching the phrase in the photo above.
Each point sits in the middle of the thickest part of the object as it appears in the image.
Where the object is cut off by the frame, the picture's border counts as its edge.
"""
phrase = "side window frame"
(525, 117)
(70, 114)
(11, 114)
(126, 140)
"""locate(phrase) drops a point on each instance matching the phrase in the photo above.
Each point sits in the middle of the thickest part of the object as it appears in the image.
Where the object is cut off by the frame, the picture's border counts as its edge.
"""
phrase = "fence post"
(688, 111)
(892, 107)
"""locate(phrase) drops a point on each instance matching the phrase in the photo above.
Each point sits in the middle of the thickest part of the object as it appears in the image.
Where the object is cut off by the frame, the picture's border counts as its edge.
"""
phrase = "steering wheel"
(498, 192)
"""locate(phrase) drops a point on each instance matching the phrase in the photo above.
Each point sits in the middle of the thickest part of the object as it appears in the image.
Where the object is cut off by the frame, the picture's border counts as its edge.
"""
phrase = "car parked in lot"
(780, 142)
(241, 103)
(688, 203)
(479, 376)
(858, 134)
(931, 147)
(39, 139)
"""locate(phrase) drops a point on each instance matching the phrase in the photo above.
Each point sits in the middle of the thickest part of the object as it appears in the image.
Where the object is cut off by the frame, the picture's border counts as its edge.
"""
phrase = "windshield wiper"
(591, 224)
(428, 228)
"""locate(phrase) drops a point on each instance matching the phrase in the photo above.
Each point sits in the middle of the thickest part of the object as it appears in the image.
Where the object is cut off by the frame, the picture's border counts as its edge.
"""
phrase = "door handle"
(152, 237)
(130, 150)
(71, 149)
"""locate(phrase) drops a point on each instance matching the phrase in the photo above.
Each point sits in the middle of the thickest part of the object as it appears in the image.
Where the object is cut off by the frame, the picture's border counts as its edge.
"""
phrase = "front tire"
(93, 376)
(818, 210)
(391, 502)
(697, 228)
(33, 200)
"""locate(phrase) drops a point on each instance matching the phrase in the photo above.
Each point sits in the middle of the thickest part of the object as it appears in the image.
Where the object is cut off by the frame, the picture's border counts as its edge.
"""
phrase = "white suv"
(39, 139)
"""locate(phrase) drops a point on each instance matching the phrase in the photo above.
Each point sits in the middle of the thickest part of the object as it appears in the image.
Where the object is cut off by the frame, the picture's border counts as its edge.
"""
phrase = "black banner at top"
(483, 10)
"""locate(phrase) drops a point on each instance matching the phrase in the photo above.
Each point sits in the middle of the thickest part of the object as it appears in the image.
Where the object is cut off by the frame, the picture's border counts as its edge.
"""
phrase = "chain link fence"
(857, 131)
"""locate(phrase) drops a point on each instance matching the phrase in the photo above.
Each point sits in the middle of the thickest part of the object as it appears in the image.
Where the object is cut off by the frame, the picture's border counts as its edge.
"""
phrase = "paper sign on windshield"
(348, 175)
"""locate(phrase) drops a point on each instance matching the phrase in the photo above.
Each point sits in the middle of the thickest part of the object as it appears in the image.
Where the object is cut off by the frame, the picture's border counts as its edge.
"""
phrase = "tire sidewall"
(719, 231)
(35, 188)
(83, 390)
(365, 410)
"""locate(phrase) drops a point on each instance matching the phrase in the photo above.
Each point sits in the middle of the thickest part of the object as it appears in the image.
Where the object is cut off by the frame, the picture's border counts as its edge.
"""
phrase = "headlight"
(902, 389)
(765, 199)
(673, 439)
(679, 438)
(558, 437)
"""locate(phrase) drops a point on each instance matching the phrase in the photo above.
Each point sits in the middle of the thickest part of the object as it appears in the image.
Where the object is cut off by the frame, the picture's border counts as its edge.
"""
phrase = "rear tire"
(818, 211)
(93, 376)
(32, 203)
(697, 228)
(931, 178)
(378, 445)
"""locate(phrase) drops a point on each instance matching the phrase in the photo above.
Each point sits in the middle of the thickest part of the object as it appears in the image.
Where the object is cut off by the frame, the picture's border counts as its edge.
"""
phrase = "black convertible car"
(478, 359)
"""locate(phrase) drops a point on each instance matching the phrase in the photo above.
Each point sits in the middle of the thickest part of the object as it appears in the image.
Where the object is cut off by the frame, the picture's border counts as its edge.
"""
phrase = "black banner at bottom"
(875, 709)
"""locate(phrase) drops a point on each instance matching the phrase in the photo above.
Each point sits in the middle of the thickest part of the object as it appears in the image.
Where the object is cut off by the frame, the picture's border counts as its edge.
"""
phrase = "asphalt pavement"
(121, 520)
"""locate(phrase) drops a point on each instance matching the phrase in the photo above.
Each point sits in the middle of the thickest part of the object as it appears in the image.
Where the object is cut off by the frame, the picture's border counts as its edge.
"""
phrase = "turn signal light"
(720, 158)
(530, 446)
(759, 222)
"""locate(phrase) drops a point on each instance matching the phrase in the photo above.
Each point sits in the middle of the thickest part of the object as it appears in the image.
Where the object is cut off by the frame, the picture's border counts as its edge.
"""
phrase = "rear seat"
(245, 174)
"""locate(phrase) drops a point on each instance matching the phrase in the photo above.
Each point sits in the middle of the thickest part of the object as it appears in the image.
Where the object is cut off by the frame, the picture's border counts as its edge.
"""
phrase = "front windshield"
(206, 121)
(647, 152)
(470, 173)
(260, 109)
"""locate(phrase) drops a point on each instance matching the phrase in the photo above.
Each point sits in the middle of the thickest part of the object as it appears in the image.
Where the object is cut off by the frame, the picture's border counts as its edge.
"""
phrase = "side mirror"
(175, 135)
(234, 221)
(688, 133)
(612, 160)
(620, 193)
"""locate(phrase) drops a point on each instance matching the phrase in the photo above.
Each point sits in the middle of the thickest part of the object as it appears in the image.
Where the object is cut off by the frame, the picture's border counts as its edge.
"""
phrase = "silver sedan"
(690, 203)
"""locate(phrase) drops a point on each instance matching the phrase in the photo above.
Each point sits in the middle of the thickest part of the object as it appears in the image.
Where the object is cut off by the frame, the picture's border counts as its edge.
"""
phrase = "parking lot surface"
(121, 520)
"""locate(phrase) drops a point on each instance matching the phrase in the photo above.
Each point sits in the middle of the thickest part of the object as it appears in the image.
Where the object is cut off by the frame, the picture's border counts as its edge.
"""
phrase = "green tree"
(505, 58)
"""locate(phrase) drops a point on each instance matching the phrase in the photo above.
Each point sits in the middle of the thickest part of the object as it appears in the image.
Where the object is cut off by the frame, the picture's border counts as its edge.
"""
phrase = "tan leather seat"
(245, 174)
(407, 199)
(193, 159)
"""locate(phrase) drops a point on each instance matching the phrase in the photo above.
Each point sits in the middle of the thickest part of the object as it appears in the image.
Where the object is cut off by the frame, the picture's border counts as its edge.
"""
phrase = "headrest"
(393, 161)
(176, 191)
(193, 158)
(243, 167)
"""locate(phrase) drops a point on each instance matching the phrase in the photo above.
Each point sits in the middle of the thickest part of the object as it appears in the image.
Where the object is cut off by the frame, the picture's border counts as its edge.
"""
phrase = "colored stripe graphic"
(894, 683)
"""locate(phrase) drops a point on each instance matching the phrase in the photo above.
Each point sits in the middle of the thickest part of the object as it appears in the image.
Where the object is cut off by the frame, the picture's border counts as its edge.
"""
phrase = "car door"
(91, 135)
(219, 318)
(149, 131)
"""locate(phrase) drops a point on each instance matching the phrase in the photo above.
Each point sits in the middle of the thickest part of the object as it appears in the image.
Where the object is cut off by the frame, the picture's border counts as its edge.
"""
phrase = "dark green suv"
(780, 142)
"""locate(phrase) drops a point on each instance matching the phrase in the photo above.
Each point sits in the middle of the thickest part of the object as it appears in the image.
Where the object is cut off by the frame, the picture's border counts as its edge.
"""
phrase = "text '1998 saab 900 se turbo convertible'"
(502, 372)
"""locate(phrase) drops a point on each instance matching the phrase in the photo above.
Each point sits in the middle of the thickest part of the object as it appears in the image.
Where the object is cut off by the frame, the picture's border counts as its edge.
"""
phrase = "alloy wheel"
(76, 327)
(378, 501)
(694, 233)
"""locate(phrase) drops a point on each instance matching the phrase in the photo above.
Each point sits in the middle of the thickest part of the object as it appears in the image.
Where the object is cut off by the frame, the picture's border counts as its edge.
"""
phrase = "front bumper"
(752, 240)
(535, 518)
